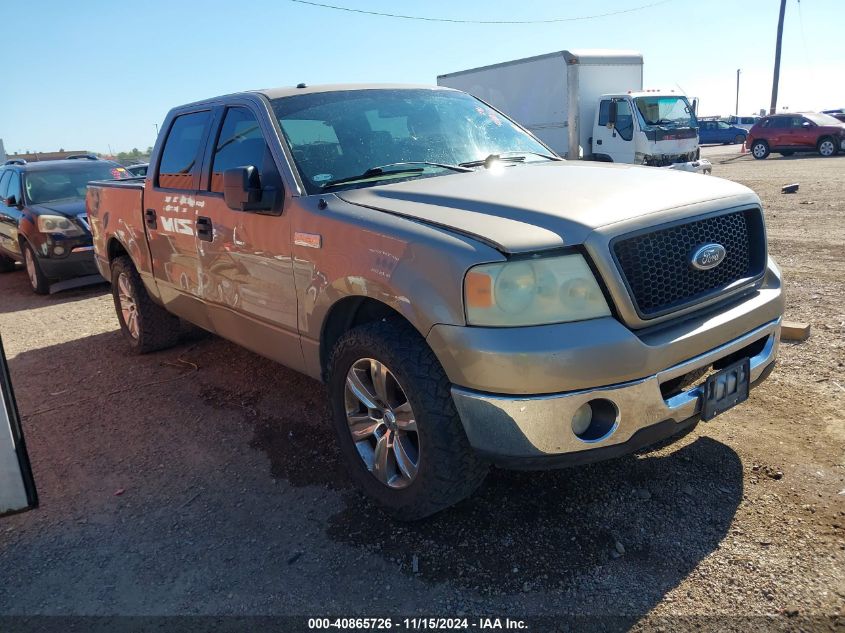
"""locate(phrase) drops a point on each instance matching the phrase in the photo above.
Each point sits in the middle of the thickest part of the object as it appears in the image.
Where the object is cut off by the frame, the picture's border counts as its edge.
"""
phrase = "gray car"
(467, 297)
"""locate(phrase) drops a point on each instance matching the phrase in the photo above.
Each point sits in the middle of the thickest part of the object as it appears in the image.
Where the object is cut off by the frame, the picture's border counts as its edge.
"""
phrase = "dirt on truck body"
(467, 296)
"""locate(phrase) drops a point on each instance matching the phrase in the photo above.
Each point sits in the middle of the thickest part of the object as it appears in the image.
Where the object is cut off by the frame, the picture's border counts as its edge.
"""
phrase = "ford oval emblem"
(708, 256)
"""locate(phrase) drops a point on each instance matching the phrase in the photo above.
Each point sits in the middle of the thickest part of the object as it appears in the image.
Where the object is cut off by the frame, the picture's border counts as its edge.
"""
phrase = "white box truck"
(591, 104)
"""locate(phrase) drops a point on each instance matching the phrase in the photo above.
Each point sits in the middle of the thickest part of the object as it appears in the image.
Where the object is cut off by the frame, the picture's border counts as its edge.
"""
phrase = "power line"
(456, 21)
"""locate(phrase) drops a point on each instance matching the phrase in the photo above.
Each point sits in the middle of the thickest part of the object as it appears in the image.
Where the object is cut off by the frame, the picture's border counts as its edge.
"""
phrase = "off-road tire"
(760, 150)
(157, 328)
(825, 143)
(37, 279)
(449, 469)
(7, 264)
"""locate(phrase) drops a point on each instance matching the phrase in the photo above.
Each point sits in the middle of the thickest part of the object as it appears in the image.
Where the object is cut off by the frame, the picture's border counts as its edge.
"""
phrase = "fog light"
(59, 250)
(595, 420)
(582, 418)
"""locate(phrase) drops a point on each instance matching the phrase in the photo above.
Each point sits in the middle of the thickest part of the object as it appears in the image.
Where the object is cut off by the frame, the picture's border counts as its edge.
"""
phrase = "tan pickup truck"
(467, 296)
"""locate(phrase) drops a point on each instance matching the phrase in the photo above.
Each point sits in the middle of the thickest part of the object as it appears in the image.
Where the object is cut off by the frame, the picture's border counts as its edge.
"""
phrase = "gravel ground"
(205, 480)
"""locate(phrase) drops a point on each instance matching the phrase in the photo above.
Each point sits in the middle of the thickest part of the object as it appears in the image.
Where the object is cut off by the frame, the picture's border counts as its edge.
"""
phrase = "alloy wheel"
(759, 150)
(30, 267)
(382, 423)
(128, 307)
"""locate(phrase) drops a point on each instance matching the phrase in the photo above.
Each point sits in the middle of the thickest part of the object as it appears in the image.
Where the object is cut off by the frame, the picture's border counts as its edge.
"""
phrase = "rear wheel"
(396, 423)
(827, 147)
(37, 279)
(7, 264)
(147, 326)
(760, 150)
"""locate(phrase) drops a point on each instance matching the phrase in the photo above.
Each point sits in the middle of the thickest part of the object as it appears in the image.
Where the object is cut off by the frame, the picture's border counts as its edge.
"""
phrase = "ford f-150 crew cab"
(467, 296)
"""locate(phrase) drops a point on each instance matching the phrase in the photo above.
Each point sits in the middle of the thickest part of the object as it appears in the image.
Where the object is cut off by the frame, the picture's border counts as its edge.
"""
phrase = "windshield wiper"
(508, 157)
(388, 170)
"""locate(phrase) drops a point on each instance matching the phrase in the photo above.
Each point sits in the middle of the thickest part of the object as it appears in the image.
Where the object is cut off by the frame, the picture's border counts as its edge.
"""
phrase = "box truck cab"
(590, 104)
(645, 128)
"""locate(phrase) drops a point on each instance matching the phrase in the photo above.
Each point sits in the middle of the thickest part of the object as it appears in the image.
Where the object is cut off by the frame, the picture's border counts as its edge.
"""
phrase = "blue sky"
(93, 74)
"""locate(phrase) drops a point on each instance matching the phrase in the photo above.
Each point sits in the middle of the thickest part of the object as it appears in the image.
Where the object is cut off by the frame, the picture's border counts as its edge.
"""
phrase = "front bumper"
(78, 262)
(536, 431)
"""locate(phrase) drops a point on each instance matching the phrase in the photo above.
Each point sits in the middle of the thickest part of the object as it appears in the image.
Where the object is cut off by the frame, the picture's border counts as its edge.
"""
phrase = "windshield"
(338, 135)
(66, 182)
(672, 112)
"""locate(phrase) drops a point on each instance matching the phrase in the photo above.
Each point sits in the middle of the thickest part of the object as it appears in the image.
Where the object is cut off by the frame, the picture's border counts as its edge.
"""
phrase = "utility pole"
(774, 105)
(736, 112)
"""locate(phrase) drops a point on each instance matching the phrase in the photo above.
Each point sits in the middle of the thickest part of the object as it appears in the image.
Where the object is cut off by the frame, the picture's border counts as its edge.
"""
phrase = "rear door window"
(182, 151)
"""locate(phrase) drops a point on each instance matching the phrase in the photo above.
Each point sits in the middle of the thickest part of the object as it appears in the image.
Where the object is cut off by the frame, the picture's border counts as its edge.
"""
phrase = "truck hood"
(539, 206)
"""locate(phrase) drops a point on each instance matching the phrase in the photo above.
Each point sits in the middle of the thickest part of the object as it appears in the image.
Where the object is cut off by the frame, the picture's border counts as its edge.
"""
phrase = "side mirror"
(242, 190)
(611, 114)
(695, 105)
(806, 124)
(11, 201)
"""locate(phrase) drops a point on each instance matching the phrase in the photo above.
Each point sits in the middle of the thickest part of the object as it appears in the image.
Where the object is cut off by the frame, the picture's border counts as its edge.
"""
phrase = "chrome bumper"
(515, 426)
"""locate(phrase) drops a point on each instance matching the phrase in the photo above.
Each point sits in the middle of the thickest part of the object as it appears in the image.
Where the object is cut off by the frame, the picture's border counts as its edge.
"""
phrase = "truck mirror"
(242, 190)
(611, 114)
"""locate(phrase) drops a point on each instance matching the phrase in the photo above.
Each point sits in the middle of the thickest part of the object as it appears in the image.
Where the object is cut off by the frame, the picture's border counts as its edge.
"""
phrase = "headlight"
(57, 224)
(533, 292)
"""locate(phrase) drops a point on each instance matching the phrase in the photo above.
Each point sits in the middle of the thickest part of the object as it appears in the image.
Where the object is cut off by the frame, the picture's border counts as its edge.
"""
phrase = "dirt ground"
(205, 480)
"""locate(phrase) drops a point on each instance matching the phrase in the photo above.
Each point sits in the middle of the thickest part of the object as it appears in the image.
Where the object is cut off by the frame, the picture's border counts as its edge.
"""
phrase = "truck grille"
(656, 264)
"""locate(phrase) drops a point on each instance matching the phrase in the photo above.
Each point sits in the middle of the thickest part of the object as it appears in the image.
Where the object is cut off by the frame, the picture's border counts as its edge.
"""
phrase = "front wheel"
(37, 279)
(148, 327)
(739, 140)
(396, 423)
(827, 147)
(760, 150)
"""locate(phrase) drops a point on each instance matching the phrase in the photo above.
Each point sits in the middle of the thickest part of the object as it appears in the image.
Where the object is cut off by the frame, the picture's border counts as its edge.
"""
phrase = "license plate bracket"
(725, 389)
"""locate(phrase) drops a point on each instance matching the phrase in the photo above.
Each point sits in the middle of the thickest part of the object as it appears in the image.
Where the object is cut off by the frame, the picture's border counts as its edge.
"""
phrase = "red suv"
(790, 133)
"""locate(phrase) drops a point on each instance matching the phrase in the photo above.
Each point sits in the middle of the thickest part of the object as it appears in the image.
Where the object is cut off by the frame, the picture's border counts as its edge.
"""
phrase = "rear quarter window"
(181, 153)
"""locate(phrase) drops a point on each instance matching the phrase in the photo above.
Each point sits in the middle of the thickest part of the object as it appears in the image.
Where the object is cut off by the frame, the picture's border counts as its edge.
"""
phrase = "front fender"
(414, 268)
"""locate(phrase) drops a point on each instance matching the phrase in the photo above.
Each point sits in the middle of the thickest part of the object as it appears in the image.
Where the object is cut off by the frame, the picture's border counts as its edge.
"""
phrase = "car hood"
(67, 208)
(546, 205)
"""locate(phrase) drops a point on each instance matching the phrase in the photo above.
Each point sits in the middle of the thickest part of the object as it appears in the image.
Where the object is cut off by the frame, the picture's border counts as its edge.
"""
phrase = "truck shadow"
(631, 529)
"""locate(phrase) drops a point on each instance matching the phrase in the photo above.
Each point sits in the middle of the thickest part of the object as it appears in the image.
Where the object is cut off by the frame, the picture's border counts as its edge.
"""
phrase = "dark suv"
(42, 217)
(790, 133)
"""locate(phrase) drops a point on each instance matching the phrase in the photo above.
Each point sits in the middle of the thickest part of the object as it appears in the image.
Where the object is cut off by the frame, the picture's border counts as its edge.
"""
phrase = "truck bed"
(116, 215)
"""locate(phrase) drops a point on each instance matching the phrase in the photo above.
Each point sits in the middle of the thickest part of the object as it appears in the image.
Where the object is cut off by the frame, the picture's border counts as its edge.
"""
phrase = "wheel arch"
(350, 312)
(115, 249)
